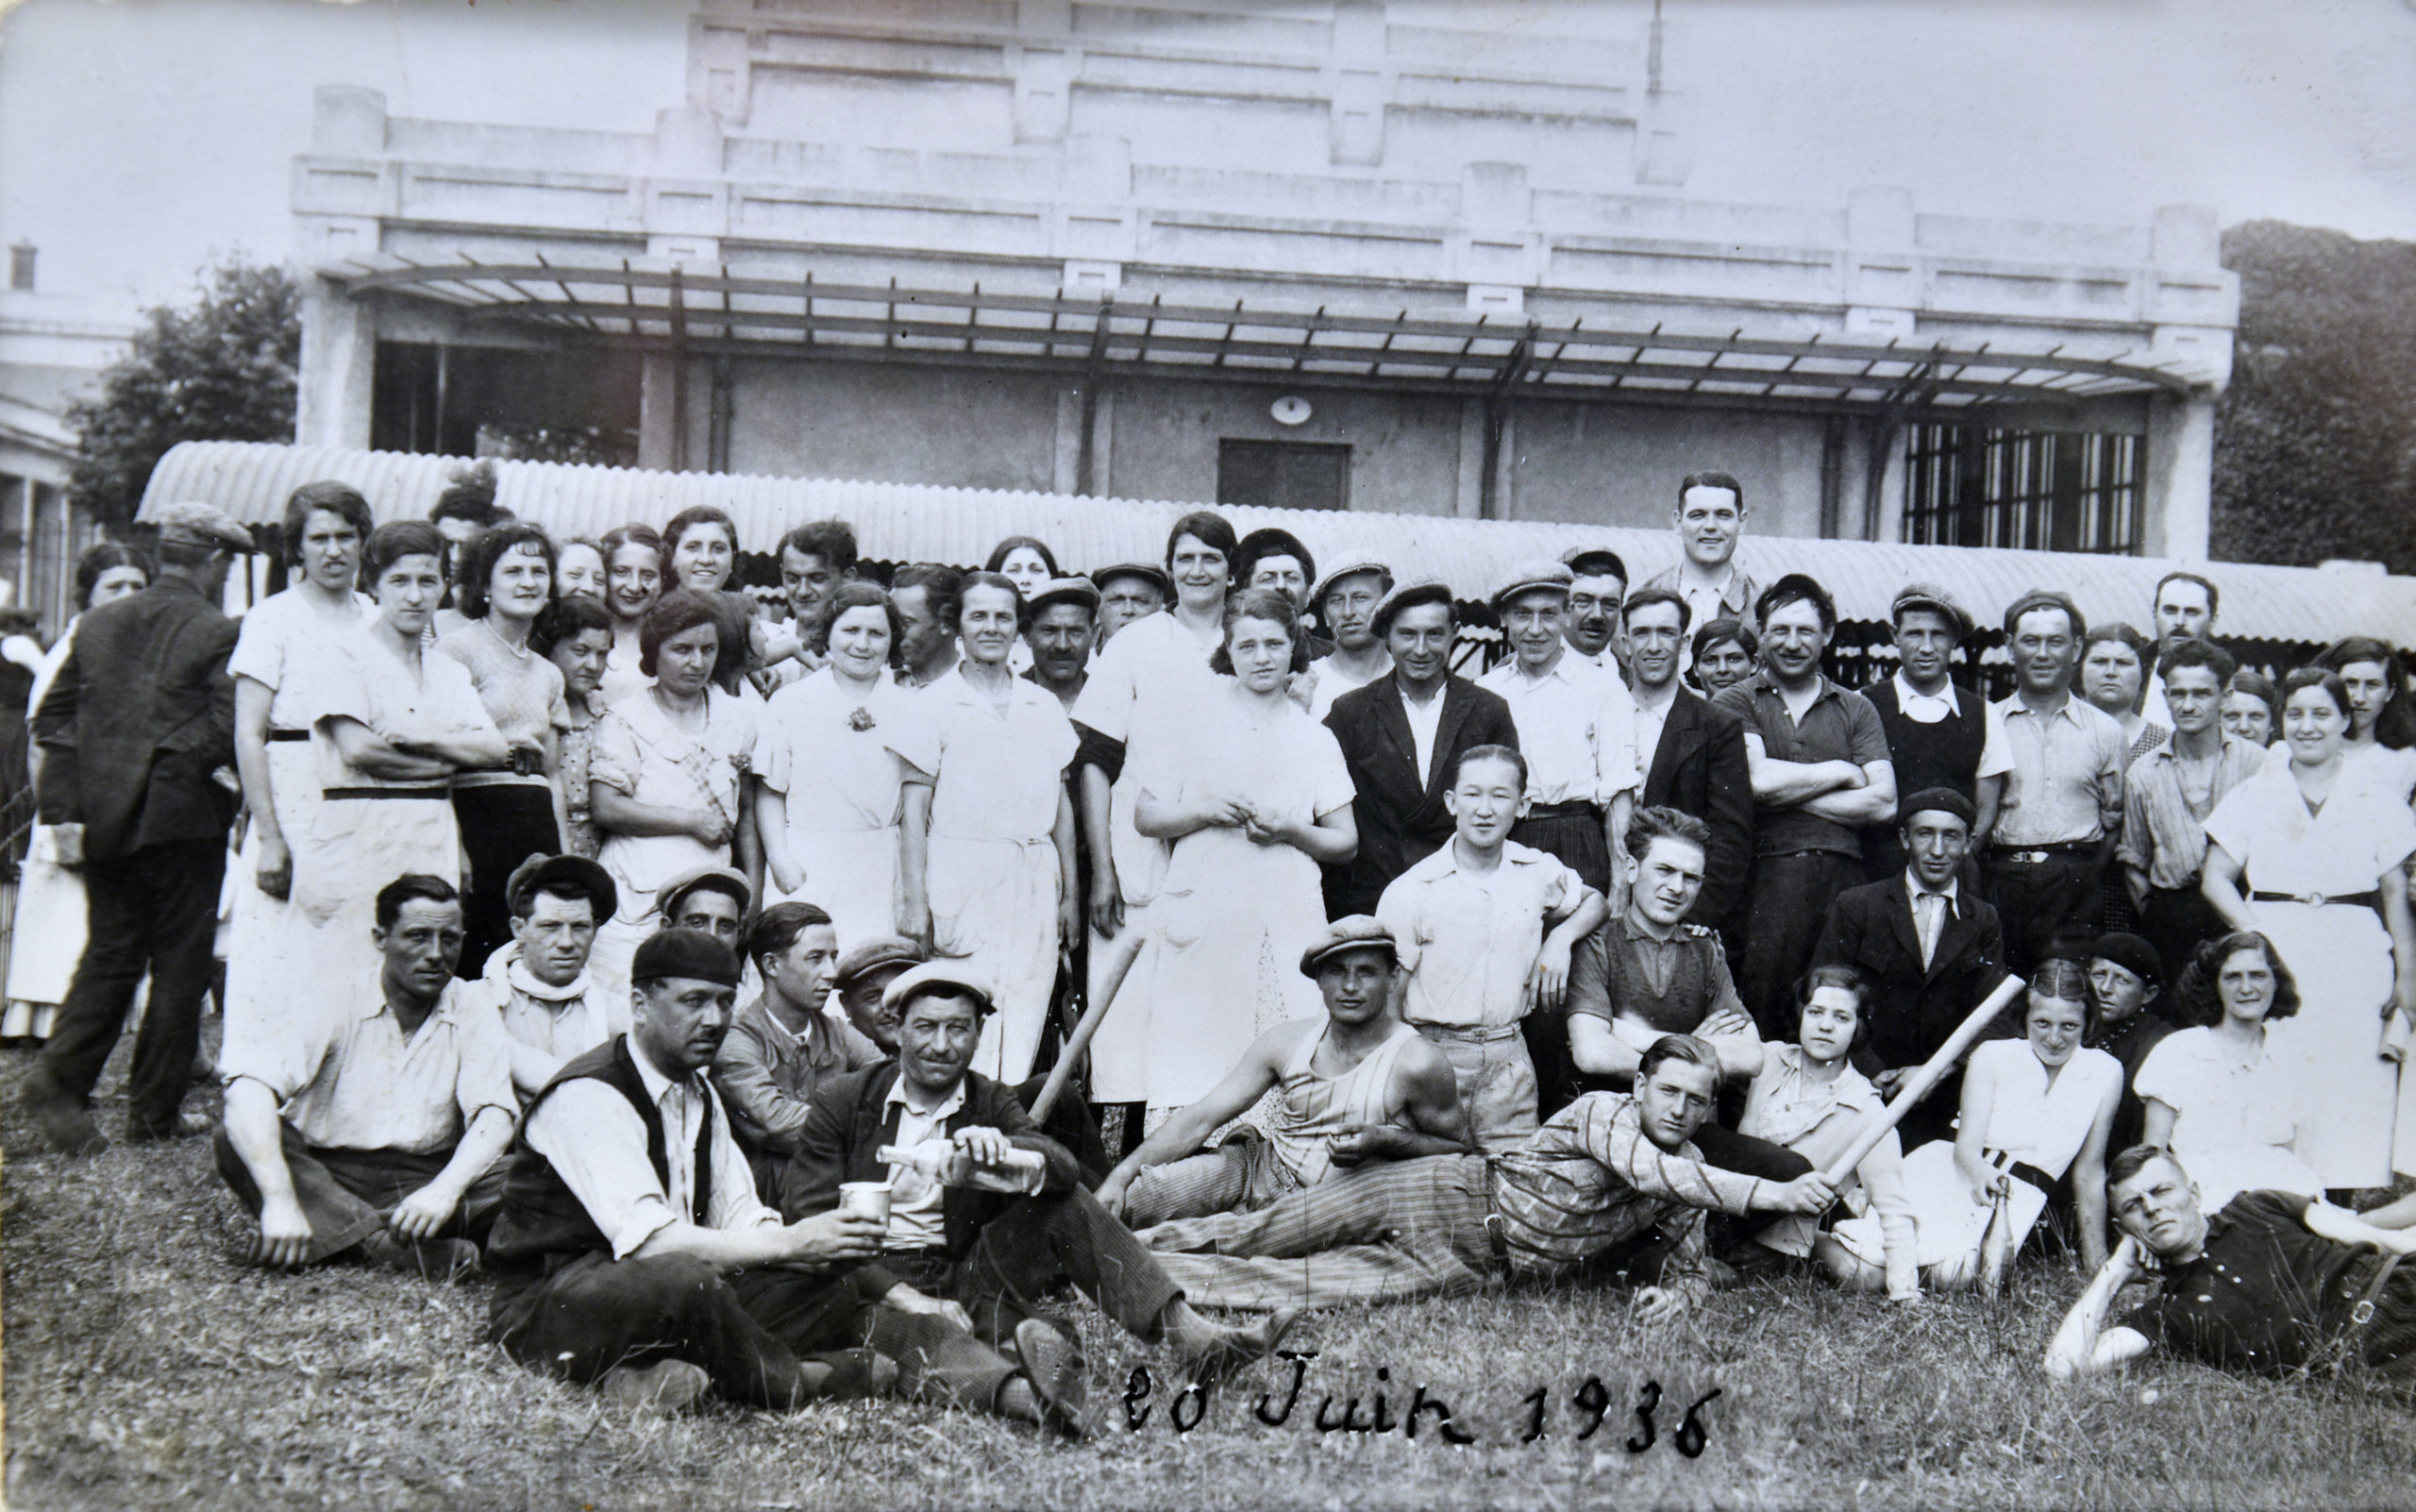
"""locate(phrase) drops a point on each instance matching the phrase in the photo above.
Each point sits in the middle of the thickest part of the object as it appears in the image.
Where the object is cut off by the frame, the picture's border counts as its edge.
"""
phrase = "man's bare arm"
(2084, 1344)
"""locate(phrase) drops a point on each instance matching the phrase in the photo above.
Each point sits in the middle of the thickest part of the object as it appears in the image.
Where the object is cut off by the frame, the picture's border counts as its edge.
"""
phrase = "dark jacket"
(141, 714)
(852, 1118)
(1400, 811)
(1699, 768)
(1913, 1010)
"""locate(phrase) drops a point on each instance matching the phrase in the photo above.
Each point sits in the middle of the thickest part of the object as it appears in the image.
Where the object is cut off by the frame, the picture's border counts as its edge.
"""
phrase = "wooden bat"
(1126, 950)
(1876, 1125)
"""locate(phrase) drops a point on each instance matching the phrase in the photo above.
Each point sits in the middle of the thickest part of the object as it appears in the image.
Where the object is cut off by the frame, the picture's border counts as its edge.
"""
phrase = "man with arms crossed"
(1360, 1086)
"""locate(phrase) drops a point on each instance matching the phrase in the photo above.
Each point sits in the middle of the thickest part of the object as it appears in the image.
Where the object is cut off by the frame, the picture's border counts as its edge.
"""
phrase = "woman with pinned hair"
(670, 785)
(390, 722)
(2253, 709)
(832, 792)
(2381, 744)
(506, 582)
(1253, 797)
(282, 639)
(2215, 1093)
(1026, 562)
(2311, 852)
(47, 938)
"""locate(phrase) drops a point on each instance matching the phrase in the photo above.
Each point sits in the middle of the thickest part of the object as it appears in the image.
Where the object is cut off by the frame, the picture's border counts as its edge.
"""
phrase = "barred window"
(2030, 490)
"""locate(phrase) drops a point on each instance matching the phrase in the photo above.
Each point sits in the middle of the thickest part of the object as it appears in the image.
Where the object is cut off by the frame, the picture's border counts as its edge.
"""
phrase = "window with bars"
(2031, 490)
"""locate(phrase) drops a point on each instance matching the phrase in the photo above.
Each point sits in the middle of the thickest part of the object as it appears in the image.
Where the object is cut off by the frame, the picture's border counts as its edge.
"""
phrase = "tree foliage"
(222, 369)
(2315, 440)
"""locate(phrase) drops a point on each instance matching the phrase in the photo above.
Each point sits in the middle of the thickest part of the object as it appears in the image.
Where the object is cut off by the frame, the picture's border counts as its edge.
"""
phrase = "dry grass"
(147, 1368)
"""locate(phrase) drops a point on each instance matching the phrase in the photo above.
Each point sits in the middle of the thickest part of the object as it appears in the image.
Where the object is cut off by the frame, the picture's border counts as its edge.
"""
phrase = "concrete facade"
(53, 349)
(1006, 190)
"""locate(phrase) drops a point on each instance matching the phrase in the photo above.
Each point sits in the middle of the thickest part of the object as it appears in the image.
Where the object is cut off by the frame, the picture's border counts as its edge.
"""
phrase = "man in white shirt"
(1709, 520)
(1598, 587)
(374, 1131)
(539, 985)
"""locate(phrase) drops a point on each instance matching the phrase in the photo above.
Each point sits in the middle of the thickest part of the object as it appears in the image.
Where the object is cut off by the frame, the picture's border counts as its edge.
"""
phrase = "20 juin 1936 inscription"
(1378, 1406)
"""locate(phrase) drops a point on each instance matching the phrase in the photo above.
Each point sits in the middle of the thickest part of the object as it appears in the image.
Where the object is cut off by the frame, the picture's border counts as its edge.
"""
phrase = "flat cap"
(1151, 570)
(668, 898)
(1929, 595)
(1409, 595)
(1349, 565)
(690, 953)
(203, 525)
(1066, 591)
(941, 974)
(871, 955)
(561, 875)
(1355, 932)
(2132, 953)
(1529, 576)
(1937, 800)
(1594, 562)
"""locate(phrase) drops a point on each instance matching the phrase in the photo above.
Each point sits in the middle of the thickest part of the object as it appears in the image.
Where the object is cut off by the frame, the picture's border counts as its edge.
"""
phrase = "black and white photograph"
(798, 755)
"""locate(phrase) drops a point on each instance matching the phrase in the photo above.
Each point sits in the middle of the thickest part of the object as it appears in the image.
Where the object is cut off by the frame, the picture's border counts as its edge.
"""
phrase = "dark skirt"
(503, 824)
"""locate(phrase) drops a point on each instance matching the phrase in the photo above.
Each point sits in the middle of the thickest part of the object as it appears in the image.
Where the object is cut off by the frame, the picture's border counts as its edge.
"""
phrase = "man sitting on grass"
(374, 1129)
(1358, 1087)
(1003, 1219)
(539, 987)
(631, 1252)
(1611, 1179)
(2275, 1283)
(784, 1047)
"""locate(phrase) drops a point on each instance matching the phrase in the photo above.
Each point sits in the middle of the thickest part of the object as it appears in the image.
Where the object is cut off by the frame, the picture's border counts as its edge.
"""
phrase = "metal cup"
(865, 1200)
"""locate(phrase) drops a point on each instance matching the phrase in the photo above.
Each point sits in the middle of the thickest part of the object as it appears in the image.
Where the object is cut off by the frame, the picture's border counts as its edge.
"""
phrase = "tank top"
(1309, 1110)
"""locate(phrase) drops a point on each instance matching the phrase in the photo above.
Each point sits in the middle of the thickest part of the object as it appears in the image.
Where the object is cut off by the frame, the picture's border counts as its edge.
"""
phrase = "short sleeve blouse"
(357, 677)
(2038, 1122)
(995, 775)
(643, 756)
(2266, 825)
(281, 638)
(826, 749)
(2219, 1105)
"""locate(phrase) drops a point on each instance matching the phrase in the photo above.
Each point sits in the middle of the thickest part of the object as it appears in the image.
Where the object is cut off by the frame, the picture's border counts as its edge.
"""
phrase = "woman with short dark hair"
(2217, 1094)
(576, 634)
(632, 582)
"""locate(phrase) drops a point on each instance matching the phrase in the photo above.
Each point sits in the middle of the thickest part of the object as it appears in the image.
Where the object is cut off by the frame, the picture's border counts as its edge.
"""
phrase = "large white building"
(1307, 257)
(53, 349)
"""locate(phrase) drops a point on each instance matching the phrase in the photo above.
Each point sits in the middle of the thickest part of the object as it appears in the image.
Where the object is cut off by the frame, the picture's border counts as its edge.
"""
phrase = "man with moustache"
(1709, 520)
(2062, 812)
(2185, 610)
(1691, 751)
(1598, 583)
(1063, 630)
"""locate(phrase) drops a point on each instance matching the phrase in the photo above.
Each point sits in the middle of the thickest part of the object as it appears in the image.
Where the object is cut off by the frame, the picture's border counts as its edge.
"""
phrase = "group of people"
(693, 967)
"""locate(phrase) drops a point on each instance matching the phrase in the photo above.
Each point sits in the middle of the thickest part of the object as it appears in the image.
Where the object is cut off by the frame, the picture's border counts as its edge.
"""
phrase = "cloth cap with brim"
(690, 954)
(1575, 557)
(1352, 565)
(1939, 801)
(1066, 591)
(1409, 595)
(203, 526)
(672, 894)
(1156, 574)
(939, 974)
(2132, 953)
(871, 955)
(1931, 597)
(1355, 932)
(561, 876)
(1528, 577)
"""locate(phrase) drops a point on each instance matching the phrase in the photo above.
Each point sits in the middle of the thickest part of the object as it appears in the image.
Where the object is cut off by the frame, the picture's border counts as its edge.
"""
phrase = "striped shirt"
(1589, 1180)
(2164, 834)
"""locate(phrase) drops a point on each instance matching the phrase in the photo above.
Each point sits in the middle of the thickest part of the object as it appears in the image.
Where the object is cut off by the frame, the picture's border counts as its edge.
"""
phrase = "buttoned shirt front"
(597, 1145)
(2266, 1294)
(1651, 720)
(2164, 832)
(915, 1221)
(1930, 911)
(1469, 939)
(2065, 787)
(1576, 728)
(1732, 599)
(1928, 709)
(348, 1078)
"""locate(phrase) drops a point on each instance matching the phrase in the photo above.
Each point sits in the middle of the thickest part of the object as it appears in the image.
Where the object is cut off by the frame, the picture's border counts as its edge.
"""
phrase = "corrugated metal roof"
(906, 522)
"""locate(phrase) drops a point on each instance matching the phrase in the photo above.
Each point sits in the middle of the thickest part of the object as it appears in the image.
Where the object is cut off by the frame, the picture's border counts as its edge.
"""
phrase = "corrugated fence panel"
(904, 522)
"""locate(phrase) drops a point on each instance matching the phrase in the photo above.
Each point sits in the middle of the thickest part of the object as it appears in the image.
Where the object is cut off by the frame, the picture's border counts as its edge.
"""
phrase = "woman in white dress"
(2035, 1110)
(1155, 667)
(2309, 852)
(2214, 1093)
(987, 861)
(392, 721)
(1808, 1097)
(831, 791)
(2381, 743)
(47, 938)
(632, 582)
(669, 785)
(1253, 795)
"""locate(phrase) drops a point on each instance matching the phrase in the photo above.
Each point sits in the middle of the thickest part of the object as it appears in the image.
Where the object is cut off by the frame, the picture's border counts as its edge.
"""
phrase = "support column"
(1469, 502)
(337, 381)
(2181, 479)
(659, 413)
(1067, 471)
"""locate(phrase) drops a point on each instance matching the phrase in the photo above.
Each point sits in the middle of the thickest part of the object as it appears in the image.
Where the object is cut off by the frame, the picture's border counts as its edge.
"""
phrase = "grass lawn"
(147, 1368)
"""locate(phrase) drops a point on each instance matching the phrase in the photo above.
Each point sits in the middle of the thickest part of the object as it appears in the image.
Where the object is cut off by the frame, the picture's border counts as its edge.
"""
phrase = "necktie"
(1929, 920)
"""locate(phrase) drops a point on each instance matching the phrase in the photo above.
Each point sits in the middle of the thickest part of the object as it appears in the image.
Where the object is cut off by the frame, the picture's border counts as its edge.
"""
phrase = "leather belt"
(289, 734)
(2363, 1313)
(438, 794)
(1574, 809)
(2041, 856)
(2369, 898)
(1470, 1033)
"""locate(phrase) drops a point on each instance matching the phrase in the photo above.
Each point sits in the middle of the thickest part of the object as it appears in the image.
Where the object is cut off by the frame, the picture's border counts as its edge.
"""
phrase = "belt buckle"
(2313, 900)
(2362, 1314)
(1497, 1236)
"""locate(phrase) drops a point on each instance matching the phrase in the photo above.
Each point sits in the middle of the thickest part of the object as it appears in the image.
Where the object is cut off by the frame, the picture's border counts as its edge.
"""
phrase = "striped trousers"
(1383, 1232)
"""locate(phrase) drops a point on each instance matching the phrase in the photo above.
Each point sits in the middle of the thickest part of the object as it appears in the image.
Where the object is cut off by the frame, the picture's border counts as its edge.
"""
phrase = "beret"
(1939, 800)
(690, 953)
(2132, 953)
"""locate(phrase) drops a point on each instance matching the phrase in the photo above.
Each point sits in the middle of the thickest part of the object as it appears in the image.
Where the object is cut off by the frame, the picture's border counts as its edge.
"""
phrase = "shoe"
(444, 1260)
(856, 1375)
(1236, 1347)
(661, 1388)
(1053, 1364)
(185, 1126)
(65, 1122)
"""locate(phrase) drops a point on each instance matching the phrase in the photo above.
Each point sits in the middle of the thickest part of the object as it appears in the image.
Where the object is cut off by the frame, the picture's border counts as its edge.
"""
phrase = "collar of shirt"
(1909, 699)
(1848, 1089)
(1444, 861)
(1951, 892)
(961, 689)
(1570, 668)
(447, 1012)
(2013, 708)
(946, 1110)
(656, 1084)
(1765, 686)
(525, 982)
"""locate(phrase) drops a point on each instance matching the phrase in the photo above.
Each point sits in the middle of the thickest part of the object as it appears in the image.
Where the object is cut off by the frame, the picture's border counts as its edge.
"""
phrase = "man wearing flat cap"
(1401, 736)
(712, 899)
(1130, 591)
(1061, 632)
(1939, 733)
(539, 985)
(1346, 600)
(1930, 947)
(133, 733)
(1598, 585)
(1004, 1218)
(1360, 1087)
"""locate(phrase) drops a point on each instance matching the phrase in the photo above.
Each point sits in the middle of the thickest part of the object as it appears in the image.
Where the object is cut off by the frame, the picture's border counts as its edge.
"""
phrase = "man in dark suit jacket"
(1003, 1219)
(140, 715)
(1931, 948)
(1696, 764)
(1401, 736)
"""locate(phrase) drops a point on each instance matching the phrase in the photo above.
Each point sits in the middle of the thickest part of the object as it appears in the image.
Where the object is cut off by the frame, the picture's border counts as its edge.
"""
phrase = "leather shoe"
(1053, 1364)
(66, 1123)
(663, 1388)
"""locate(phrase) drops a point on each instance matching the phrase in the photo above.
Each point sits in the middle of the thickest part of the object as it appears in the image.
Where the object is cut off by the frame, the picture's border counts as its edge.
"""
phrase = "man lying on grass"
(374, 1129)
(1000, 1217)
(1609, 1180)
(1360, 1087)
(2275, 1281)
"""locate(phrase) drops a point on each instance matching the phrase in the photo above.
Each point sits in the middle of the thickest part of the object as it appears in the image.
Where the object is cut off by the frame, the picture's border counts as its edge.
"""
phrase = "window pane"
(2031, 490)
(1286, 475)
